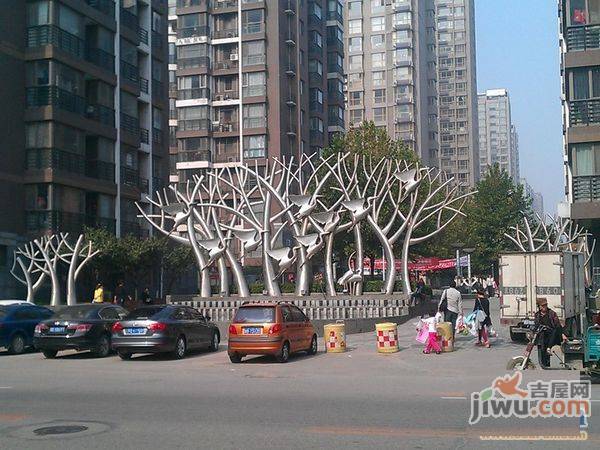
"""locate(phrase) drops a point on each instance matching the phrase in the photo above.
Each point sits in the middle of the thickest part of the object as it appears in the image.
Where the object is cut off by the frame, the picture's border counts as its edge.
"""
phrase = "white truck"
(524, 277)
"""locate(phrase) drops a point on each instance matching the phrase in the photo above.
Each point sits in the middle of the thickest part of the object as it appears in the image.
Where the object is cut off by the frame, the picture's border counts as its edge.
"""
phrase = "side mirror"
(207, 318)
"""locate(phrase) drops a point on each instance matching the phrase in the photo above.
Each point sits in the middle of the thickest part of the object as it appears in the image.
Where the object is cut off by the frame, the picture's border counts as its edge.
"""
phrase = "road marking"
(5, 387)
(454, 398)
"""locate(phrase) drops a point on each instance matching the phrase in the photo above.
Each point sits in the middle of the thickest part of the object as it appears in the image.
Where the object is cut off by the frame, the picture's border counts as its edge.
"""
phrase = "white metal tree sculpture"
(76, 256)
(31, 276)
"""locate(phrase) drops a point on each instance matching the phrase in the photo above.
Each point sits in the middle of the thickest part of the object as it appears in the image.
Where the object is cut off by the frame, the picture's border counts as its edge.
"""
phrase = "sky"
(517, 49)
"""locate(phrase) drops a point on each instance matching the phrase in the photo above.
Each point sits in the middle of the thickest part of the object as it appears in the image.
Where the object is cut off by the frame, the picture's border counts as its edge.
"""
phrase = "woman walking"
(482, 304)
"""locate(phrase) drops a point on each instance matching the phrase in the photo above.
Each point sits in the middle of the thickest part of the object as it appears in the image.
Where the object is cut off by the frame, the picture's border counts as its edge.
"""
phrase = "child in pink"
(432, 338)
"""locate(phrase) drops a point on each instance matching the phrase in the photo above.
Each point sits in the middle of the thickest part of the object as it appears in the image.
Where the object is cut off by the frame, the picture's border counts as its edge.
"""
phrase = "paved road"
(359, 399)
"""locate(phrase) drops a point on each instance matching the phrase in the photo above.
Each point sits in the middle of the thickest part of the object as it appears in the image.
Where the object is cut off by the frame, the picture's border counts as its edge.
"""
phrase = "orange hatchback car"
(270, 328)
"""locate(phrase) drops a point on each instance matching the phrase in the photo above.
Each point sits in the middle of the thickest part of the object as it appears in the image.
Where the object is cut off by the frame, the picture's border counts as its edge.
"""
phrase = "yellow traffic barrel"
(387, 337)
(444, 329)
(335, 337)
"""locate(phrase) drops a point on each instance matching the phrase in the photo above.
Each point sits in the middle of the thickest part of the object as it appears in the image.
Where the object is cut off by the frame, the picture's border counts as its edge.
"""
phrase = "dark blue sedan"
(17, 323)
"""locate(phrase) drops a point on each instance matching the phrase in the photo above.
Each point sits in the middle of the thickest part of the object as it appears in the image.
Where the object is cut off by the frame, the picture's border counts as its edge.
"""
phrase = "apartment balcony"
(314, 50)
(584, 112)
(105, 6)
(52, 158)
(55, 221)
(335, 122)
(194, 93)
(253, 28)
(196, 155)
(226, 64)
(190, 63)
(290, 38)
(315, 106)
(157, 183)
(292, 129)
(335, 15)
(157, 89)
(291, 100)
(143, 35)
(100, 113)
(42, 35)
(316, 136)
(254, 91)
(314, 20)
(130, 177)
(100, 170)
(221, 126)
(157, 136)
(255, 122)
(290, 69)
(315, 78)
(130, 72)
(253, 60)
(586, 188)
(143, 85)
(193, 32)
(194, 125)
(56, 97)
(130, 124)
(220, 5)
(188, 3)
(583, 38)
(100, 58)
(334, 67)
(157, 41)
(129, 20)
(226, 95)
(225, 33)
(144, 136)
(335, 45)
(336, 97)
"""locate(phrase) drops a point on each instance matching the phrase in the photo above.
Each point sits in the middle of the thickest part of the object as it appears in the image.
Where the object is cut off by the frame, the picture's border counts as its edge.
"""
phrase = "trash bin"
(387, 337)
(335, 337)
(444, 329)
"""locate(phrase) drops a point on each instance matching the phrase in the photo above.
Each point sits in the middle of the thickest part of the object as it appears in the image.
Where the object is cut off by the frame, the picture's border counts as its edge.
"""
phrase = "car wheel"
(284, 353)
(235, 358)
(180, 348)
(312, 350)
(125, 356)
(49, 354)
(17, 345)
(214, 343)
(103, 348)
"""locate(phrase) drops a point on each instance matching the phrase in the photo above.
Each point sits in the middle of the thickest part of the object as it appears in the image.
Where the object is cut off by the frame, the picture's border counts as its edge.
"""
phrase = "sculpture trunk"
(271, 285)
(358, 287)
(390, 273)
(29, 284)
(71, 288)
(238, 275)
(205, 290)
(405, 275)
(55, 298)
(302, 276)
(329, 277)
(223, 277)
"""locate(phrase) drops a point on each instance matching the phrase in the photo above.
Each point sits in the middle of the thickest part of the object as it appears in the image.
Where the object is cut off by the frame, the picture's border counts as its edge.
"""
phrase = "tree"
(498, 205)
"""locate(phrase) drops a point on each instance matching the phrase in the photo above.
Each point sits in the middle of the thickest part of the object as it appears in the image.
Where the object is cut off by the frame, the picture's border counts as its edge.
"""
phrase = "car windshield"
(255, 314)
(145, 313)
(76, 312)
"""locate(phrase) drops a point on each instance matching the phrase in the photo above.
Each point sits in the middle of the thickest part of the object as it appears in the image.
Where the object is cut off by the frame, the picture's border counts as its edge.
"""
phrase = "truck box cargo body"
(524, 277)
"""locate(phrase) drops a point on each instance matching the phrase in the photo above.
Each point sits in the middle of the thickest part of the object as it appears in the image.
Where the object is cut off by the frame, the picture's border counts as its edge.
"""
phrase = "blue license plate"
(134, 331)
(252, 330)
(57, 329)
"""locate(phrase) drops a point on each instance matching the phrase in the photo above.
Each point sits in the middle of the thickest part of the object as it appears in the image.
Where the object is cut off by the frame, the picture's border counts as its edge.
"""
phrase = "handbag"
(443, 306)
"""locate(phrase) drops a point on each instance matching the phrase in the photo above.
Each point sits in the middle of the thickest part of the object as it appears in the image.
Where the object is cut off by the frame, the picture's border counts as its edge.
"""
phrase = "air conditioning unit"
(216, 123)
(230, 34)
(218, 97)
(234, 57)
(226, 97)
(230, 159)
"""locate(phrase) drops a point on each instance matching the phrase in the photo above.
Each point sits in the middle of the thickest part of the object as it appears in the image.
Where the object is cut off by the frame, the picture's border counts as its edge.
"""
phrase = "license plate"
(252, 330)
(57, 329)
(134, 331)
(528, 322)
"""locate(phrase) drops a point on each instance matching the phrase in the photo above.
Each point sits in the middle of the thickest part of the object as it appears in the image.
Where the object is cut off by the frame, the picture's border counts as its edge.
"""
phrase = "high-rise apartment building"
(457, 85)
(498, 138)
(391, 70)
(580, 71)
(537, 200)
(252, 80)
(84, 113)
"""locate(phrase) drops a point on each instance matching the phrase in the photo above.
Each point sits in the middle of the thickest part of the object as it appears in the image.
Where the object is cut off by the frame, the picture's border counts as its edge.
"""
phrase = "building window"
(252, 21)
(355, 9)
(356, 116)
(402, 18)
(355, 62)
(377, 6)
(378, 60)
(379, 115)
(355, 98)
(378, 41)
(255, 146)
(355, 26)
(253, 52)
(378, 78)
(377, 23)
(255, 115)
(254, 84)
(355, 44)
(316, 39)
(379, 96)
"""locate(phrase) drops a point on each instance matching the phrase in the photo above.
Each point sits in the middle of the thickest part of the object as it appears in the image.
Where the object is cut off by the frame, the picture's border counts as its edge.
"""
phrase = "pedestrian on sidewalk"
(482, 308)
(429, 325)
(490, 286)
(451, 305)
(145, 297)
(98, 294)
